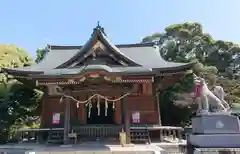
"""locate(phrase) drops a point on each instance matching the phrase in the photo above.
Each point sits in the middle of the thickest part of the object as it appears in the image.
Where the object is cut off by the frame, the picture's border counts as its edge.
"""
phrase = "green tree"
(40, 54)
(187, 42)
(19, 104)
(17, 101)
(179, 112)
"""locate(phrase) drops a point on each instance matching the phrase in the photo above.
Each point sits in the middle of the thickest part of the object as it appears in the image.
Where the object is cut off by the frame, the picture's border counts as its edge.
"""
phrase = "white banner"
(136, 117)
(56, 118)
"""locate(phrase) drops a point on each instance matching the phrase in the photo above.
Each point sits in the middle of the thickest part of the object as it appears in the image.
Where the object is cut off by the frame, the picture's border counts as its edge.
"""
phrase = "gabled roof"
(98, 34)
(131, 58)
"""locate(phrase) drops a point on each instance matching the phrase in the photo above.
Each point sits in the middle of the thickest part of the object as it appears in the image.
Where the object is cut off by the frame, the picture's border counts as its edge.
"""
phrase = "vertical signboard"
(56, 118)
(135, 117)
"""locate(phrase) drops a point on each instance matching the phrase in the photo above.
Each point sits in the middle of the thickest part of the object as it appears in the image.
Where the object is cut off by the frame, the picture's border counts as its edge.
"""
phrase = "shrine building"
(100, 89)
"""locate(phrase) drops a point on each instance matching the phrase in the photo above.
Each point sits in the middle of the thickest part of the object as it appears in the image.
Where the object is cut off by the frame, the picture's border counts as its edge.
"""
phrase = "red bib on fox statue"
(205, 97)
(198, 88)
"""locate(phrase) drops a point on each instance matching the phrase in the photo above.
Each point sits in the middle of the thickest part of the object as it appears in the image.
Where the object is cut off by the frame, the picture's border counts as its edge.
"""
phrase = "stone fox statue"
(206, 98)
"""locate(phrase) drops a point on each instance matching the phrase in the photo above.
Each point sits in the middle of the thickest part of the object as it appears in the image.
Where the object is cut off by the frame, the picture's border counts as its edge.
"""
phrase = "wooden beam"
(102, 89)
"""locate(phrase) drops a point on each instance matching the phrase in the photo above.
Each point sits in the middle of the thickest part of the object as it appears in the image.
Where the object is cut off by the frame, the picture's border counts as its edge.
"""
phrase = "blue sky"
(32, 24)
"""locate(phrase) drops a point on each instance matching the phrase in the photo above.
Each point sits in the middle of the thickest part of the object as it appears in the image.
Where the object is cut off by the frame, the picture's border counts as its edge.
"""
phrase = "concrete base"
(215, 140)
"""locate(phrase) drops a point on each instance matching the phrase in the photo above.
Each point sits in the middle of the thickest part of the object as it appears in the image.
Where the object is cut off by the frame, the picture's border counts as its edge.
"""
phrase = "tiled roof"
(142, 58)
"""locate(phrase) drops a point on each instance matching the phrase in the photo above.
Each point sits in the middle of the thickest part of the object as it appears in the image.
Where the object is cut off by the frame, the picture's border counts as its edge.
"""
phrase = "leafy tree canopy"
(41, 52)
(12, 56)
(186, 42)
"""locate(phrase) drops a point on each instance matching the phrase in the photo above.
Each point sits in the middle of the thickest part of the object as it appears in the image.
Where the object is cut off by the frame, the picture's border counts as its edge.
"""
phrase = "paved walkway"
(92, 147)
(89, 148)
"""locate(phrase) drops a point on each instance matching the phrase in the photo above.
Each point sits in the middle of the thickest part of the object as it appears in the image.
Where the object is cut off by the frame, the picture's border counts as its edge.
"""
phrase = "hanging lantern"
(98, 106)
(106, 106)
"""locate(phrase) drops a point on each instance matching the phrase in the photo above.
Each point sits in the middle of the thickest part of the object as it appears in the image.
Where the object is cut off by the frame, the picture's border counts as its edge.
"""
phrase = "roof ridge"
(64, 47)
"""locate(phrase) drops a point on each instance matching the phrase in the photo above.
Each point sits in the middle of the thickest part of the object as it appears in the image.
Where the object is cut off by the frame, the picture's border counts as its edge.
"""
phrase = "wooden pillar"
(158, 108)
(126, 119)
(67, 115)
(118, 113)
(81, 112)
(40, 135)
(44, 98)
(156, 101)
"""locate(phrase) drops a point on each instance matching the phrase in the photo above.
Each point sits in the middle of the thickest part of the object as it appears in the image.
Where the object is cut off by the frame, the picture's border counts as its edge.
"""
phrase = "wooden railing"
(93, 132)
(89, 132)
(166, 133)
(172, 133)
(33, 135)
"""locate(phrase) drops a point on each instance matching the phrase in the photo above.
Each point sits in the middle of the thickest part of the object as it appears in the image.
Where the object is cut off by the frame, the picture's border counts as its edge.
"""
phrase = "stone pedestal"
(215, 131)
(215, 140)
(215, 124)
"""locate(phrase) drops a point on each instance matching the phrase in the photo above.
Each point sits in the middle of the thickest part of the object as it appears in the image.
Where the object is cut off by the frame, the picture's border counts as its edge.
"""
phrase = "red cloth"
(198, 90)
(56, 121)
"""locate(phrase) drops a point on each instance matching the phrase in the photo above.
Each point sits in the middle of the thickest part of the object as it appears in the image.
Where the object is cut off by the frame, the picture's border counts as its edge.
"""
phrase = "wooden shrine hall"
(100, 89)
